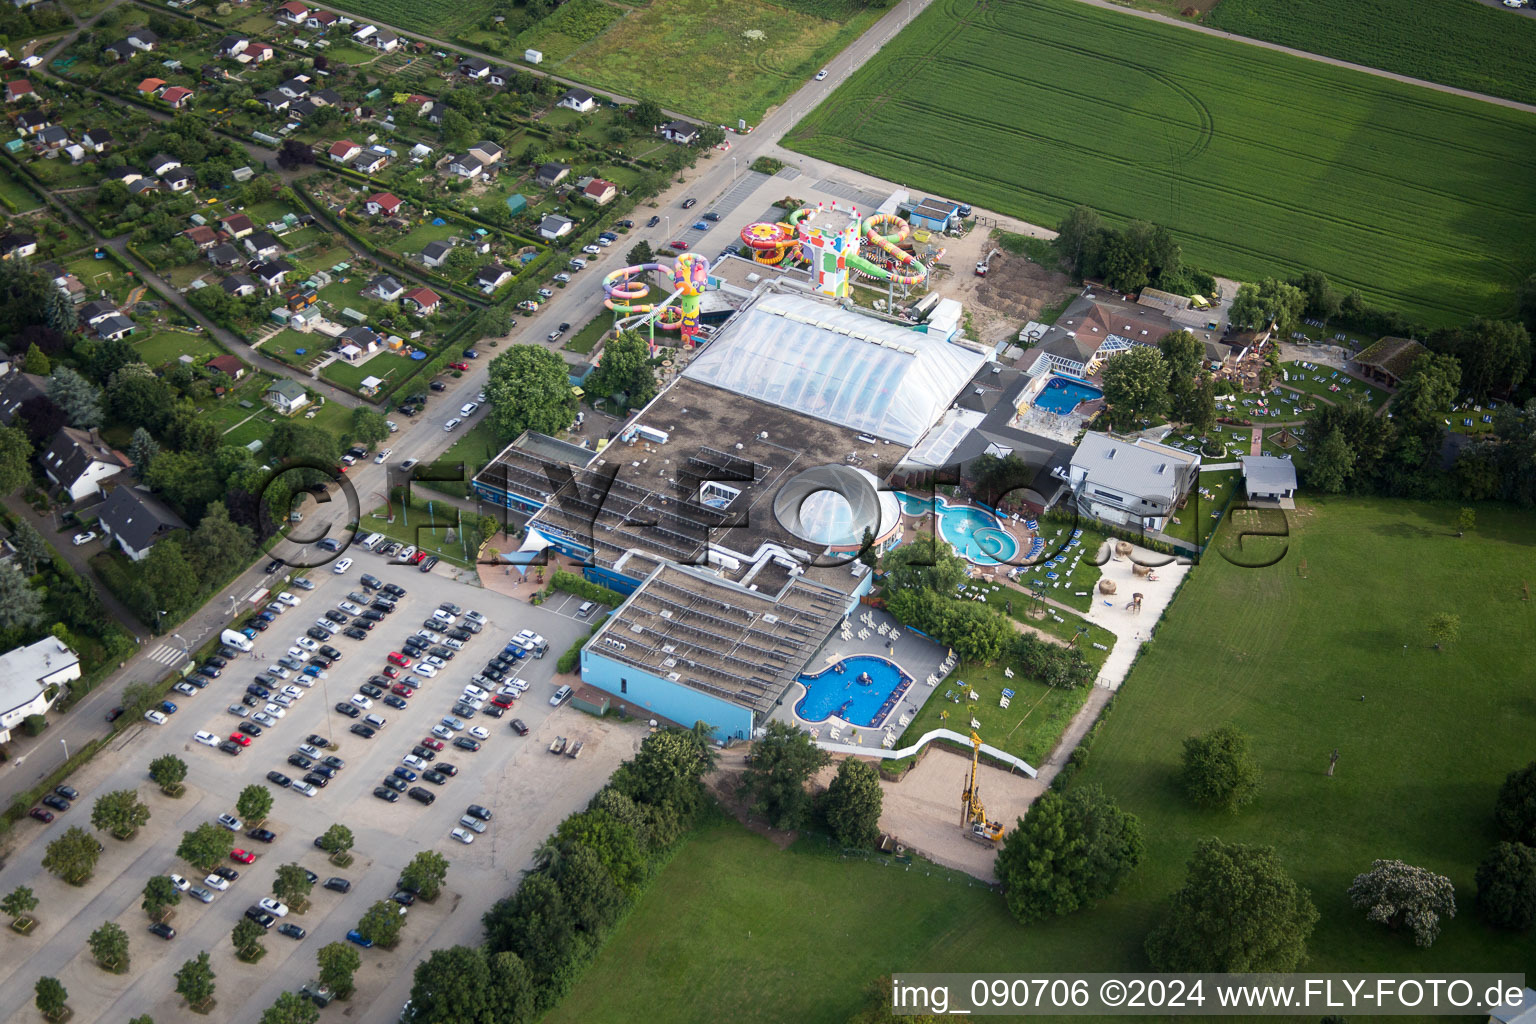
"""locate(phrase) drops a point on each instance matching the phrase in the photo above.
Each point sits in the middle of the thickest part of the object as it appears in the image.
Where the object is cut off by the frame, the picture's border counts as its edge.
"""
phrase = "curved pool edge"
(832, 718)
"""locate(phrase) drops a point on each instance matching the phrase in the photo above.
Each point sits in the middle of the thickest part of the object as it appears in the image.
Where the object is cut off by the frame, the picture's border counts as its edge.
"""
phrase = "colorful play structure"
(627, 290)
(832, 253)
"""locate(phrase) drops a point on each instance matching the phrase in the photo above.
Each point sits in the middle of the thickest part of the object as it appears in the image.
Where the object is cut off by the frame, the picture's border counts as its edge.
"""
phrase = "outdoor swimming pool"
(834, 692)
(1063, 394)
(973, 532)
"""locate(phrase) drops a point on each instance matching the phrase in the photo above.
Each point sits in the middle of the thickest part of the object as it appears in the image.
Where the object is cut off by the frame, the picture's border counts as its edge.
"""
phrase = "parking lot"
(528, 790)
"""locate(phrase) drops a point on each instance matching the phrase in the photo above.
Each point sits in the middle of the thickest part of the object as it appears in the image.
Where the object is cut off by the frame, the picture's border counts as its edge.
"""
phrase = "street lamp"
(66, 749)
(733, 168)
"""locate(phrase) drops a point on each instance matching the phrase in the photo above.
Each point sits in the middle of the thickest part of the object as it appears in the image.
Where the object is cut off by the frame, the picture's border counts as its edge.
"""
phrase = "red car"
(432, 743)
(418, 557)
(679, 246)
(240, 738)
(459, 366)
(46, 816)
(391, 672)
(502, 700)
(402, 690)
(396, 658)
(242, 857)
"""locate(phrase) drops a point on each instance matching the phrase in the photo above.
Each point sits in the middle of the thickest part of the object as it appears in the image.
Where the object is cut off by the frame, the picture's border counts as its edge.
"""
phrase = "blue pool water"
(1063, 394)
(830, 692)
(973, 532)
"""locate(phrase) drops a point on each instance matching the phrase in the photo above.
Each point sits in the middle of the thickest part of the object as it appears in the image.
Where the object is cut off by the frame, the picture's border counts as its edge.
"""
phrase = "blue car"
(168, 707)
(405, 773)
(250, 634)
(330, 544)
(355, 936)
(266, 616)
(313, 670)
(700, 225)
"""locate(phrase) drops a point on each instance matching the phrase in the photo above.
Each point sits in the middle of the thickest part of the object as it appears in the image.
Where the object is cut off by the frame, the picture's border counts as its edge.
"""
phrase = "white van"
(585, 609)
(372, 541)
(239, 641)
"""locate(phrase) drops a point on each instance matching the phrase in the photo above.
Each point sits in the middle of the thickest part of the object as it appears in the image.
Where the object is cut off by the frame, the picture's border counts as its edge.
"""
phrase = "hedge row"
(583, 587)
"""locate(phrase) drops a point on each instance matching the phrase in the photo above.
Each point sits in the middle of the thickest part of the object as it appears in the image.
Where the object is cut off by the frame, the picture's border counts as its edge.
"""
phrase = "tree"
(1070, 851)
(641, 254)
(294, 153)
(336, 840)
(452, 986)
(142, 450)
(1322, 302)
(254, 803)
(21, 607)
(247, 939)
(31, 549)
(924, 564)
(1427, 392)
(120, 813)
(73, 856)
(647, 114)
(368, 426)
(514, 1000)
(625, 371)
(205, 846)
(78, 397)
(52, 999)
(667, 771)
(1135, 384)
(1077, 238)
(219, 545)
(15, 460)
(40, 419)
(456, 127)
(425, 874)
(291, 1008)
(381, 924)
(1444, 628)
(1398, 895)
(1506, 886)
(136, 395)
(1238, 912)
(194, 982)
(19, 903)
(1514, 809)
(167, 771)
(1466, 520)
(159, 897)
(1200, 412)
(1256, 306)
(109, 947)
(36, 362)
(1334, 463)
(782, 762)
(587, 884)
(852, 804)
(292, 886)
(529, 388)
(1495, 355)
(1219, 771)
(338, 962)
(139, 698)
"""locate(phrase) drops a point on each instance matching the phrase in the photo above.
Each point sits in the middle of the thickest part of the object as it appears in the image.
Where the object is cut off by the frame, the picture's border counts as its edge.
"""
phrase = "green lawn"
(1302, 380)
(284, 346)
(569, 28)
(1216, 490)
(696, 56)
(163, 347)
(586, 339)
(101, 275)
(475, 448)
(1259, 163)
(416, 239)
(426, 532)
(1074, 590)
(385, 366)
(1028, 727)
(438, 18)
(15, 192)
(1282, 652)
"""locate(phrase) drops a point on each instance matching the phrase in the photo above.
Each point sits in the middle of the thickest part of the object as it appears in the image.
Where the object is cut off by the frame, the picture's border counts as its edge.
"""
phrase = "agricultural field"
(1259, 163)
(568, 28)
(1283, 653)
(717, 62)
(441, 19)
(1454, 42)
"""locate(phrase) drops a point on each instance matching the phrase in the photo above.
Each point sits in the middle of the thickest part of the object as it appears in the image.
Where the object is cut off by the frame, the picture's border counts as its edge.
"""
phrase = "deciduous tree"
(529, 388)
(159, 897)
(783, 761)
(852, 804)
(625, 371)
(425, 874)
(1400, 895)
(109, 947)
(338, 962)
(368, 426)
(73, 856)
(1506, 886)
(336, 839)
(292, 886)
(254, 803)
(1135, 384)
(19, 903)
(52, 998)
(205, 846)
(247, 938)
(120, 813)
(381, 923)
(1219, 770)
(168, 771)
(194, 982)
(291, 1008)
(21, 607)
(15, 460)
(667, 771)
(452, 986)
(1514, 809)
(1069, 852)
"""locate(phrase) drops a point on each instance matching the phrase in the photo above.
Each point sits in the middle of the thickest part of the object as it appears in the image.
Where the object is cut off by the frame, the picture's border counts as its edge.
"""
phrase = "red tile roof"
(151, 84)
(342, 148)
(386, 201)
(423, 297)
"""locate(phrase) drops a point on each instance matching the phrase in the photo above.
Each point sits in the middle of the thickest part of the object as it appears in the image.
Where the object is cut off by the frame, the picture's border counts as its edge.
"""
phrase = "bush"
(574, 584)
(35, 724)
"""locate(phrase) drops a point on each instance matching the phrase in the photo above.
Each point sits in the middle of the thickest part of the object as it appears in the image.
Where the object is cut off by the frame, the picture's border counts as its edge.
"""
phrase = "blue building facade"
(641, 692)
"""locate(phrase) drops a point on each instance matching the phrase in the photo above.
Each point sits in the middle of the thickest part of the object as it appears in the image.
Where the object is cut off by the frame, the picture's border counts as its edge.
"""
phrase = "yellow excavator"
(973, 815)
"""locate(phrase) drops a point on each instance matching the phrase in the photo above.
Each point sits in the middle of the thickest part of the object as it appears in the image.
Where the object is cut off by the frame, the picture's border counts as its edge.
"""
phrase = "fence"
(924, 740)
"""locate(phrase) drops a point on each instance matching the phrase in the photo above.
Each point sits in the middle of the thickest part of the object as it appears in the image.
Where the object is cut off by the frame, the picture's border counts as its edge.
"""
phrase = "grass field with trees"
(1283, 654)
(1260, 164)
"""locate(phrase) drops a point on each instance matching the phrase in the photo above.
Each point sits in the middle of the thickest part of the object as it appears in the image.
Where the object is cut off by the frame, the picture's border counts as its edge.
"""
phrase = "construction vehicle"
(981, 268)
(973, 816)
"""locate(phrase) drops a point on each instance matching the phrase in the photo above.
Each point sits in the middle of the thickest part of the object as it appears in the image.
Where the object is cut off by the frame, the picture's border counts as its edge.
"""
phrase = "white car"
(591, 250)
(475, 702)
(479, 732)
(313, 753)
(452, 424)
(821, 76)
(181, 884)
(282, 700)
(475, 691)
(239, 710)
(379, 458)
(307, 680)
(292, 691)
(207, 739)
(443, 616)
(304, 643)
(291, 600)
(359, 701)
(474, 616)
(412, 761)
(326, 626)
(347, 460)
(32, 61)
(1514, 3)
(297, 652)
(303, 787)
(578, 263)
(426, 670)
(563, 278)
(216, 883)
(85, 538)
(274, 711)
(463, 835)
(342, 566)
(279, 671)
(457, 645)
(158, 717)
(435, 661)
(350, 608)
(272, 906)
(469, 408)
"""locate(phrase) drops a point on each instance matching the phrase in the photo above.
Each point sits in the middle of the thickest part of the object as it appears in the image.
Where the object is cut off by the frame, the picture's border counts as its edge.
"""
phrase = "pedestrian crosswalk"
(165, 654)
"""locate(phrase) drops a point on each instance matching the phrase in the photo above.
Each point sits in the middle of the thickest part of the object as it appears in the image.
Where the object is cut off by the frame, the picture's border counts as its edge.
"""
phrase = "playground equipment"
(972, 814)
(832, 253)
(626, 289)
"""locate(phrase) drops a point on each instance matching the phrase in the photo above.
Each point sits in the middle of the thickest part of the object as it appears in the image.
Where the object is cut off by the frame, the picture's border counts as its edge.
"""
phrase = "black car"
(381, 606)
(320, 662)
(279, 780)
(317, 780)
(314, 739)
(273, 566)
(690, 203)
(435, 777)
(330, 652)
(448, 768)
(332, 761)
(463, 710)
(324, 769)
(425, 753)
(367, 732)
(493, 710)
(465, 743)
(371, 582)
(476, 811)
(653, 222)
(340, 618)
(343, 708)
(434, 624)
(711, 216)
(398, 785)
(211, 671)
(425, 796)
(163, 930)
(337, 885)
(228, 874)
(293, 931)
(394, 590)
(249, 729)
(355, 633)
(230, 747)
(495, 674)
(405, 899)
(228, 654)
(371, 615)
(300, 762)
(501, 663)
(446, 653)
(214, 661)
(258, 690)
(316, 633)
(461, 635)
(387, 795)
(369, 690)
(261, 625)
(520, 727)
(199, 681)
(313, 878)
(55, 801)
(398, 703)
(261, 835)
(250, 701)
(260, 916)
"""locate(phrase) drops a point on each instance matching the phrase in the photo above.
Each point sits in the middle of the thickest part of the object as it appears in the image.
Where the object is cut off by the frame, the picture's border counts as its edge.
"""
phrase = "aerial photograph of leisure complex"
(899, 509)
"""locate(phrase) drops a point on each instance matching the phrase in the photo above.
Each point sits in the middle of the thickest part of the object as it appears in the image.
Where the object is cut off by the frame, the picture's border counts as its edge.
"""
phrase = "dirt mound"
(1020, 288)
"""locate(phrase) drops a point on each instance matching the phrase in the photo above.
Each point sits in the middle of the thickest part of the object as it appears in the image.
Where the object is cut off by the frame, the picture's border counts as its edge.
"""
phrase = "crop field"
(440, 19)
(570, 26)
(713, 61)
(1455, 42)
(1260, 163)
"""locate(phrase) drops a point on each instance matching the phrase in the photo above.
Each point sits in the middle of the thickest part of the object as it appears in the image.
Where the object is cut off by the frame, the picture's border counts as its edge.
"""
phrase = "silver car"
(200, 894)
(473, 824)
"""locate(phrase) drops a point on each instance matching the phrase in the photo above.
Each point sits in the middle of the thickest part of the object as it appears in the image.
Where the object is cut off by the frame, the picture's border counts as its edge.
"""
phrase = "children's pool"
(836, 690)
(973, 532)
(1063, 394)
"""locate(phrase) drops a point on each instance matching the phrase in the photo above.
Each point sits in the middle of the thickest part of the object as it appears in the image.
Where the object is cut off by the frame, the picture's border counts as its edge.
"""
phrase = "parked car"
(163, 930)
(690, 203)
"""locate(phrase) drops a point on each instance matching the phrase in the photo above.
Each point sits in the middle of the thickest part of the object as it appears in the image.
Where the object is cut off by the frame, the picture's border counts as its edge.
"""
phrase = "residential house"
(143, 39)
(301, 110)
(162, 163)
(126, 175)
(115, 328)
(370, 162)
(425, 300)
(143, 185)
(228, 365)
(178, 180)
(263, 245)
(202, 236)
(551, 174)
(151, 86)
(325, 98)
(32, 678)
(1389, 360)
(293, 12)
(321, 20)
(224, 255)
(435, 254)
(682, 132)
(177, 96)
(79, 460)
(601, 192)
(97, 140)
(1138, 483)
(232, 46)
(487, 152)
(238, 285)
(344, 151)
(17, 389)
(418, 104)
(384, 287)
(121, 50)
(555, 226)
(286, 396)
(271, 274)
(491, 277)
(19, 89)
(365, 338)
(467, 166)
(18, 245)
(384, 40)
(364, 35)
(135, 519)
(72, 287)
(502, 77)
(1094, 328)
(55, 136)
(257, 52)
(237, 225)
(474, 67)
(295, 88)
(1269, 481)
(274, 100)
(578, 100)
(382, 202)
(94, 312)
(31, 122)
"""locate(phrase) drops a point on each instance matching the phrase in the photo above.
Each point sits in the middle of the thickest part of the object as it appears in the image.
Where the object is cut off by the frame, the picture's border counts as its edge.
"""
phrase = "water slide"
(913, 273)
(625, 289)
(773, 243)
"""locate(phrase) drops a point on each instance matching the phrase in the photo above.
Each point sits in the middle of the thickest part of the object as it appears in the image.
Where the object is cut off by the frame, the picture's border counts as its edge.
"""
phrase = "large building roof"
(24, 670)
(820, 360)
(1141, 467)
